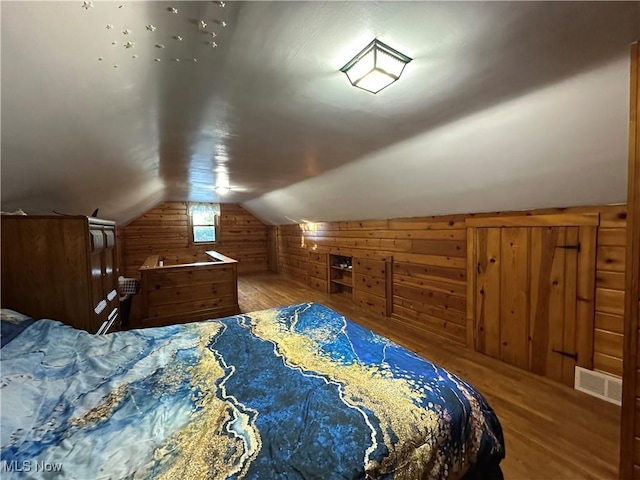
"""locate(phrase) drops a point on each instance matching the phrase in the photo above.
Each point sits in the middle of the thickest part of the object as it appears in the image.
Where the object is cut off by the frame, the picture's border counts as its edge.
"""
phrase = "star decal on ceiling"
(200, 25)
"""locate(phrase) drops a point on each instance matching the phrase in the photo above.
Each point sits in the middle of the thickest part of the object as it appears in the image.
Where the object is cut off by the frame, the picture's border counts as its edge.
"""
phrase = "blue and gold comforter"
(291, 392)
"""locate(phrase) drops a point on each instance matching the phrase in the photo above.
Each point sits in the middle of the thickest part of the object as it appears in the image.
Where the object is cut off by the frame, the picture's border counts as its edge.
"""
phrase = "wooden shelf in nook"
(341, 281)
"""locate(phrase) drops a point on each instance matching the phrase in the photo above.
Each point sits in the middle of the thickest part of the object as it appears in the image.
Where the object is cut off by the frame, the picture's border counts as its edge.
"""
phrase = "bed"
(292, 392)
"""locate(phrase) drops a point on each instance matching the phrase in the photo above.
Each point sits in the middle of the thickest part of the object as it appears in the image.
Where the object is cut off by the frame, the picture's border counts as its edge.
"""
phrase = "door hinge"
(566, 354)
(570, 247)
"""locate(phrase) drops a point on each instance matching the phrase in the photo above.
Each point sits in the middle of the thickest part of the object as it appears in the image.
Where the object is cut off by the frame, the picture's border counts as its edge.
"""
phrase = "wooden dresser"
(62, 268)
(188, 292)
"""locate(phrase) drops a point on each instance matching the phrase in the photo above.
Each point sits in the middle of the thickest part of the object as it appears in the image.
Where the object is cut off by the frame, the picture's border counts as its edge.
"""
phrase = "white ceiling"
(505, 106)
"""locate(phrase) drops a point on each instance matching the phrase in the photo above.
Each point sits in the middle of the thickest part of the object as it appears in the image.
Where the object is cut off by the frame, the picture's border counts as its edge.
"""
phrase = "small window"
(203, 219)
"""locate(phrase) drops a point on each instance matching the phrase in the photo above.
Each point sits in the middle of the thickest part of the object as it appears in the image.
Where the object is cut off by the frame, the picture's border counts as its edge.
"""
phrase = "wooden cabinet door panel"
(533, 301)
(554, 284)
(547, 295)
(514, 301)
(569, 331)
(109, 281)
(487, 305)
(97, 294)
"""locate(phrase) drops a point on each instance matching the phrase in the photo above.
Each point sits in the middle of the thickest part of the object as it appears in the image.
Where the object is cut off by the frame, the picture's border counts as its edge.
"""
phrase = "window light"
(203, 220)
(376, 67)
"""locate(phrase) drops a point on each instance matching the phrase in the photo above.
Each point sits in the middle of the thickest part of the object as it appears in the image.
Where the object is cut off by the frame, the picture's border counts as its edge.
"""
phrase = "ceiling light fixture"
(222, 190)
(376, 67)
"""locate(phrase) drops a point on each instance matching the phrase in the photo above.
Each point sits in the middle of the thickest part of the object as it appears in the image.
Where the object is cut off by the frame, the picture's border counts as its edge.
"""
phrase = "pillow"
(7, 315)
(12, 324)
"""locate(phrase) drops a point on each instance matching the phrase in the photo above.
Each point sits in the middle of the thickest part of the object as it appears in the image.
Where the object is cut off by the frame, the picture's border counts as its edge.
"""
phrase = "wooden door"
(514, 296)
(502, 296)
(109, 281)
(526, 305)
(553, 308)
(99, 301)
(109, 272)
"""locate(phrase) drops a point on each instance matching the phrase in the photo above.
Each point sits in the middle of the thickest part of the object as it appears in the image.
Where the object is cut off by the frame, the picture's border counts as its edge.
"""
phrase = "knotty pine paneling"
(164, 231)
(630, 422)
(430, 268)
(609, 304)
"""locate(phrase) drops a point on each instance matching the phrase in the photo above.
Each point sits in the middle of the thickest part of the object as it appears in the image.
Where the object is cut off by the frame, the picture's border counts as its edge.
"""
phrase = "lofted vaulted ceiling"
(506, 105)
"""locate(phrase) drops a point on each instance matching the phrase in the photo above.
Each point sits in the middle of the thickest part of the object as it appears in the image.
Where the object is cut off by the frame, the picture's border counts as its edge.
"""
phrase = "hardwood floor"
(551, 431)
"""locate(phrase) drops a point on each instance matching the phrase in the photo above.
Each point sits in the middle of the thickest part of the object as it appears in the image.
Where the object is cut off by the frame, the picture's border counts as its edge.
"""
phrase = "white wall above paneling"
(506, 105)
(559, 146)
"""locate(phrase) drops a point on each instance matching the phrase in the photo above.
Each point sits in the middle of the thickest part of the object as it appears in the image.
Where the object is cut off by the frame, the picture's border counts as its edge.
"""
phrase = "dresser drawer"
(370, 302)
(318, 257)
(317, 284)
(317, 270)
(370, 284)
(366, 266)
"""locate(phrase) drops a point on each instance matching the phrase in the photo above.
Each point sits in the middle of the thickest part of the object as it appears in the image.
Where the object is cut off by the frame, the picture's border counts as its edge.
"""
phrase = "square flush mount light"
(375, 67)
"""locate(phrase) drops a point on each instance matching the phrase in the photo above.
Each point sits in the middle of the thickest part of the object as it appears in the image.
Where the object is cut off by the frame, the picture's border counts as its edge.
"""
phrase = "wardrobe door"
(99, 302)
(109, 281)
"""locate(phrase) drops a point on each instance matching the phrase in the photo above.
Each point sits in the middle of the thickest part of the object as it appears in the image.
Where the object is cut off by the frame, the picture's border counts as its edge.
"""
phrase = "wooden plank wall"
(430, 270)
(630, 431)
(609, 321)
(272, 248)
(164, 231)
